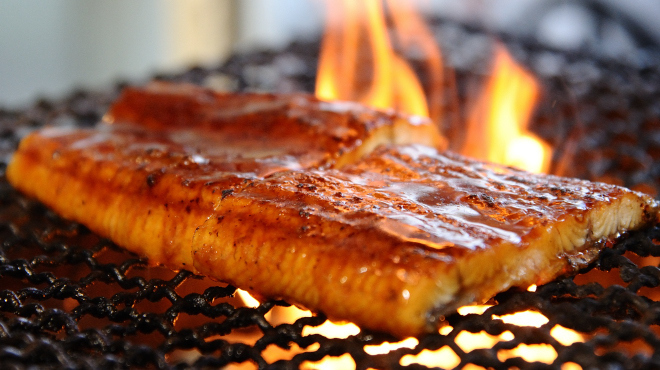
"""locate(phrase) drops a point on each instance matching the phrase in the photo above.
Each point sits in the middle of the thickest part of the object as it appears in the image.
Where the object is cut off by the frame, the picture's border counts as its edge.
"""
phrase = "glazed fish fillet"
(294, 131)
(332, 206)
(408, 234)
(167, 154)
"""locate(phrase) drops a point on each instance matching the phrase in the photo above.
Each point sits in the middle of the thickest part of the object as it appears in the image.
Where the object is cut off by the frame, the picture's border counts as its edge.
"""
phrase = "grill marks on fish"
(361, 227)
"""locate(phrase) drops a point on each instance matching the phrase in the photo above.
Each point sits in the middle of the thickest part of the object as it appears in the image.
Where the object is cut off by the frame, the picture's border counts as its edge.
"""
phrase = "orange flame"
(357, 62)
(497, 129)
(412, 33)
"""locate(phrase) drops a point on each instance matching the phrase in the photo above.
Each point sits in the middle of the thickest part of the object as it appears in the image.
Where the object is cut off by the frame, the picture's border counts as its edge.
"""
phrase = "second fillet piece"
(166, 155)
(332, 206)
(408, 234)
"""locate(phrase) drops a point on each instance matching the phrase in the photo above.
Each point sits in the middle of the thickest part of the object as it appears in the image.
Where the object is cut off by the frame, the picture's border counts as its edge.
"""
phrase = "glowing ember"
(476, 309)
(444, 357)
(525, 318)
(471, 341)
(497, 128)
(344, 361)
(445, 330)
(566, 336)
(287, 315)
(248, 300)
(330, 329)
(387, 347)
(274, 353)
(530, 353)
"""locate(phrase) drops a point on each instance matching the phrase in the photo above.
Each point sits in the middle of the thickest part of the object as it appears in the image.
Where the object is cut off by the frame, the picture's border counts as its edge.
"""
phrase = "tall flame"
(357, 62)
(497, 128)
(413, 35)
(444, 357)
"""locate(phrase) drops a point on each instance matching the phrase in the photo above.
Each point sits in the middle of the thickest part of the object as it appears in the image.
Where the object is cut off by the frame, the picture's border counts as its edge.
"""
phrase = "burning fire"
(358, 63)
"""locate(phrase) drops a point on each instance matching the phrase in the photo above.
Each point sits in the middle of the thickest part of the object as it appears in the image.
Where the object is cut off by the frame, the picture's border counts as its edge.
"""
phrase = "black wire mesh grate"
(69, 299)
(73, 300)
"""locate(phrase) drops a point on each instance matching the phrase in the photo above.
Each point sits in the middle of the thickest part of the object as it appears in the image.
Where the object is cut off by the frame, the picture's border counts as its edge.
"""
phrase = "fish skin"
(387, 235)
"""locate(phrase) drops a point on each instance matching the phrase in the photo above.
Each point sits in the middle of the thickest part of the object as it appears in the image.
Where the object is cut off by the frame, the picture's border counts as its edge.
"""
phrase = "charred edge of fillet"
(567, 262)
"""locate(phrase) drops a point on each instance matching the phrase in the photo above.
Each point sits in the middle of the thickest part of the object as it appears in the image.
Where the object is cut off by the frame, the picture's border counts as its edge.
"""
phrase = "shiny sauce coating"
(446, 203)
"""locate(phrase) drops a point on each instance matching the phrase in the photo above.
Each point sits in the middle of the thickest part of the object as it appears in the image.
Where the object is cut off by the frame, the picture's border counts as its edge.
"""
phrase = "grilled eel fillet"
(167, 154)
(390, 238)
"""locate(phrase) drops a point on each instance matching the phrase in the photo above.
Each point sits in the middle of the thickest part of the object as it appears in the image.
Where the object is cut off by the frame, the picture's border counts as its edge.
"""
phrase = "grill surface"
(70, 299)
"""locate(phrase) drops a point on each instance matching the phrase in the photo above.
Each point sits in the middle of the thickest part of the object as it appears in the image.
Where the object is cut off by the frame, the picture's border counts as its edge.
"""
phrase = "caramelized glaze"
(468, 203)
(297, 126)
(318, 203)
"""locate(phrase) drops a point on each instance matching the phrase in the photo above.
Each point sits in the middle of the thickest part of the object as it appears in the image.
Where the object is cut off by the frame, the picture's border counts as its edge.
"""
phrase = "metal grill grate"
(70, 299)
